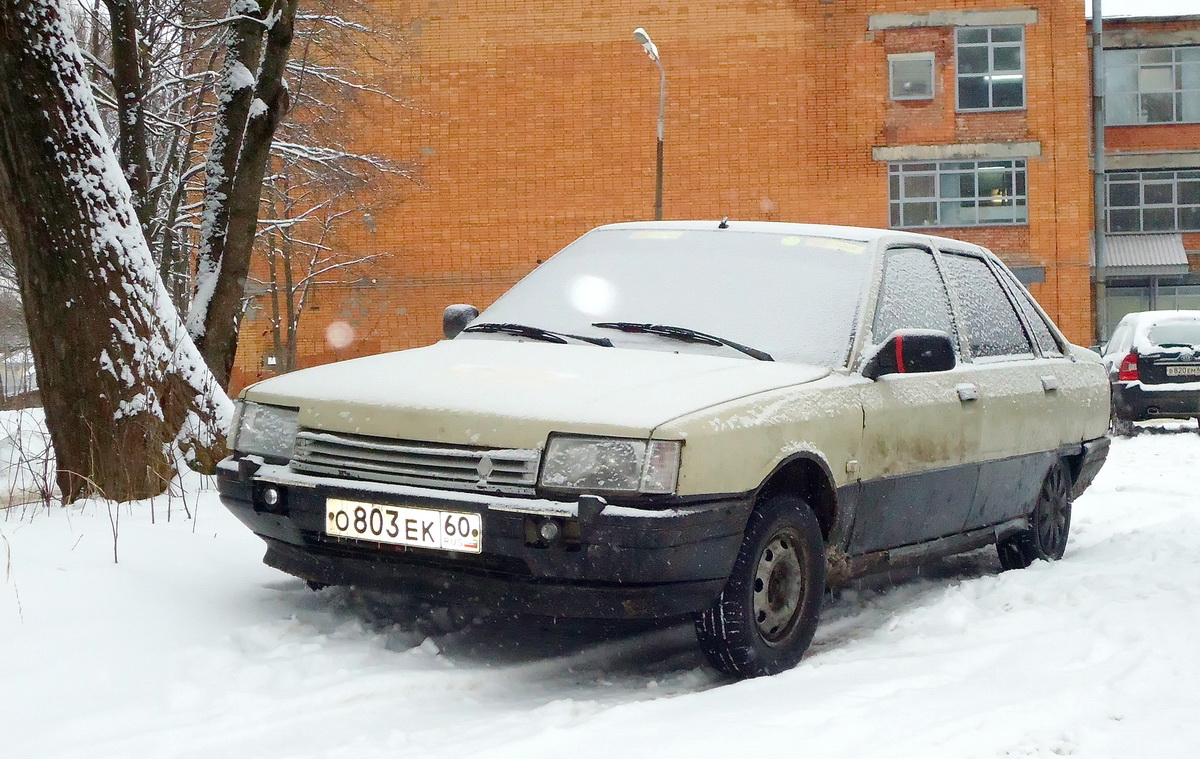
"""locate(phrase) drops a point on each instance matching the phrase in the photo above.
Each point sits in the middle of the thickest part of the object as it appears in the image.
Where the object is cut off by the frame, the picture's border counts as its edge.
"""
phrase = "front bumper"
(620, 563)
(1135, 402)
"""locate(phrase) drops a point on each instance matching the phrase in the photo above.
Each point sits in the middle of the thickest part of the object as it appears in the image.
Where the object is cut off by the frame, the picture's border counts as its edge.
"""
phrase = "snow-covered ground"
(189, 647)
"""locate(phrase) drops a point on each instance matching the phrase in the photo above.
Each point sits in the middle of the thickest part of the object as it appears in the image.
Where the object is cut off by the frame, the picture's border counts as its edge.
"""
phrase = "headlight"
(265, 430)
(610, 465)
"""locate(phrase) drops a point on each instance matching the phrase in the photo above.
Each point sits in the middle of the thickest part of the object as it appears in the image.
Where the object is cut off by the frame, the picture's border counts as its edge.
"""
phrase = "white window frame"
(895, 58)
(942, 174)
(1184, 92)
(992, 75)
(1176, 207)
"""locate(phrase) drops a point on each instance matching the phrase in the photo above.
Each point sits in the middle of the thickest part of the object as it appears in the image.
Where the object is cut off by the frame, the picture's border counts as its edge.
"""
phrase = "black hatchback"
(1153, 361)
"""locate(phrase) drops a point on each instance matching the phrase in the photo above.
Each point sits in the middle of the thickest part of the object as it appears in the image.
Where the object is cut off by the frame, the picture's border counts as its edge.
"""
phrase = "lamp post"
(643, 39)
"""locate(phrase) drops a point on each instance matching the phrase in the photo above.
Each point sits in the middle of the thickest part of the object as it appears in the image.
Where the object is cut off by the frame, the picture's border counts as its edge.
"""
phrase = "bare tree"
(317, 182)
(116, 367)
(297, 260)
(153, 64)
(181, 103)
(248, 112)
(18, 384)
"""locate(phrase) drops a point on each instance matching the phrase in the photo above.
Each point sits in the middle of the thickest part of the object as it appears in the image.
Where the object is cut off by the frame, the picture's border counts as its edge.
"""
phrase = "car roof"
(862, 234)
(1150, 318)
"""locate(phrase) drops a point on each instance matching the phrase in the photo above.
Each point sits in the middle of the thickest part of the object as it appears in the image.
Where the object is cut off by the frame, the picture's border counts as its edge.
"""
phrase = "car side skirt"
(996, 497)
(843, 568)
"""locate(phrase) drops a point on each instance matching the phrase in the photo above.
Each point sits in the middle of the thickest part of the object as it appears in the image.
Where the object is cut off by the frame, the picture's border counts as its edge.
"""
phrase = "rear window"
(1181, 334)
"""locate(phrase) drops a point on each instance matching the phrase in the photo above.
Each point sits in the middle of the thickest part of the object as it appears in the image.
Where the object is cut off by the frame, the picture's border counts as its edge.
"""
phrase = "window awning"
(1144, 255)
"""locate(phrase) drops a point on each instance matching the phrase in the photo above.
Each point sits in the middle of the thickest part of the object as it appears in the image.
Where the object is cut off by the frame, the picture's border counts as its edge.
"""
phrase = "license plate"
(1183, 371)
(404, 525)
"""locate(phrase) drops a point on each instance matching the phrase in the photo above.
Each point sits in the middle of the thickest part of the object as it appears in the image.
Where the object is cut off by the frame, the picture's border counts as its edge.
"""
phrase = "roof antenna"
(724, 223)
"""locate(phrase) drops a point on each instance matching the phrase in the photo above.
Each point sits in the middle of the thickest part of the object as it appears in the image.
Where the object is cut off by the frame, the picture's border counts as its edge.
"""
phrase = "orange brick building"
(533, 121)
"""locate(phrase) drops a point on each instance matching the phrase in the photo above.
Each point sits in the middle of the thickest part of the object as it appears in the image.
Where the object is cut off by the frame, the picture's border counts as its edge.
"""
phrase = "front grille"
(374, 459)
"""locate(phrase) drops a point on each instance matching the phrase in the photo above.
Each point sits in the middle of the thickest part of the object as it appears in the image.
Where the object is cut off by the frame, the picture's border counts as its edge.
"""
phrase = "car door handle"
(1050, 383)
(967, 392)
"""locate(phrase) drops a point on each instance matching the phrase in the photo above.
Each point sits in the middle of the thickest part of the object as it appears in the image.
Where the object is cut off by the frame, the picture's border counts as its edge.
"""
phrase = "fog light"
(271, 499)
(549, 530)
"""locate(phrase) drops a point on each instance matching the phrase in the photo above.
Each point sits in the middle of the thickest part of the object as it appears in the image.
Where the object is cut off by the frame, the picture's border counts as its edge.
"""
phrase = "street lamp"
(643, 39)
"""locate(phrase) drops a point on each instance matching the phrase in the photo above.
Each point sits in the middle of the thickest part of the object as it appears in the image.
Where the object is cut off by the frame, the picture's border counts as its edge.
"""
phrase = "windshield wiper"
(684, 334)
(536, 333)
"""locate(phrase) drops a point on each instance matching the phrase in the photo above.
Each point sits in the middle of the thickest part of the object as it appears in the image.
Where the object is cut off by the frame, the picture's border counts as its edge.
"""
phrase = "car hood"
(512, 394)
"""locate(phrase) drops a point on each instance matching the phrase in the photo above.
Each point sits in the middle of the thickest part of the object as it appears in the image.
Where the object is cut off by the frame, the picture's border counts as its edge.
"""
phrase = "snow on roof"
(1144, 8)
(861, 234)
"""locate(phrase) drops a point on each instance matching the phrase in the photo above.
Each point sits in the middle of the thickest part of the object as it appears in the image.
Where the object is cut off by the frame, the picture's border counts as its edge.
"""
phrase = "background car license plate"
(1183, 371)
(404, 525)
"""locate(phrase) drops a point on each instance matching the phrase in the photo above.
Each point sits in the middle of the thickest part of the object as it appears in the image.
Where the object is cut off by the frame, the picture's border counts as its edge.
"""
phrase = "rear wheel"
(765, 617)
(1049, 524)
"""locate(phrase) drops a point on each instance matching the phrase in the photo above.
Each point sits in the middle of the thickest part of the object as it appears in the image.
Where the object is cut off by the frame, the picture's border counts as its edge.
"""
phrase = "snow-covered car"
(1153, 361)
(686, 418)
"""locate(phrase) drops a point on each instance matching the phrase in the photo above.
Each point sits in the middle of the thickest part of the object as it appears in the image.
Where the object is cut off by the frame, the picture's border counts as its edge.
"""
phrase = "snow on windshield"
(795, 297)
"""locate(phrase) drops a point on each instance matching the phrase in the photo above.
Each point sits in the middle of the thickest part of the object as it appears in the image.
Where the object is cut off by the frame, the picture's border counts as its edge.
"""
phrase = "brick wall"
(534, 120)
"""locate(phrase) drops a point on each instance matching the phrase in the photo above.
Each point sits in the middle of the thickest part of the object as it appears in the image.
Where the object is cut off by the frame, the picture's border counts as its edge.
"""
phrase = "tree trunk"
(123, 386)
(130, 95)
(232, 202)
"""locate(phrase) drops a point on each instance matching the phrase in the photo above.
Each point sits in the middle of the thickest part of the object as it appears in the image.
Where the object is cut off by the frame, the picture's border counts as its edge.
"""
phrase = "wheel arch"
(807, 475)
(1084, 461)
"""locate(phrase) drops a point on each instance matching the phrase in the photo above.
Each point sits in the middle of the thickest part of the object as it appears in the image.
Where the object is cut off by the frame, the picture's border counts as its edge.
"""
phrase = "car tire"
(1049, 524)
(766, 616)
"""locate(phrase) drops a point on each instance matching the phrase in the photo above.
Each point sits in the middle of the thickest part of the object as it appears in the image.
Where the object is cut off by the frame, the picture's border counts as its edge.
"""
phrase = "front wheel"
(767, 614)
(1049, 524)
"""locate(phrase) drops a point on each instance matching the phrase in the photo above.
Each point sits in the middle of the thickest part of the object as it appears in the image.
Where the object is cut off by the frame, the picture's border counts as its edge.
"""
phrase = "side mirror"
(911, 351)
(455, 318)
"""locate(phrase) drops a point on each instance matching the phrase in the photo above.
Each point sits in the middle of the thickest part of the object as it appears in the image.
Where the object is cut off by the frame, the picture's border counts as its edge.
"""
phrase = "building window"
(1152, 86)
(990, 65)
(1153, 201)
(957, 193)
(910, 76)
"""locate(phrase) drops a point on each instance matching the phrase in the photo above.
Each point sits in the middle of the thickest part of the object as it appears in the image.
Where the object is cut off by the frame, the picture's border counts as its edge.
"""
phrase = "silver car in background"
(1153, 361)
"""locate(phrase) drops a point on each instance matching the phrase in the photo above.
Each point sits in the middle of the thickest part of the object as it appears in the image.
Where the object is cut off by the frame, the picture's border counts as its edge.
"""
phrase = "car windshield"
(793, 297)
(1177, 333)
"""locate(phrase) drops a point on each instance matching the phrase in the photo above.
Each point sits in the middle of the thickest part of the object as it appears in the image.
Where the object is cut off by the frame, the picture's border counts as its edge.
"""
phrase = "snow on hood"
(508, 393)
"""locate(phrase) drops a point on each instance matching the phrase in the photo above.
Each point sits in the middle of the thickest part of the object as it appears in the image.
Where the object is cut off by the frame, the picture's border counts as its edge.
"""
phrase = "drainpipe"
(1099, 222)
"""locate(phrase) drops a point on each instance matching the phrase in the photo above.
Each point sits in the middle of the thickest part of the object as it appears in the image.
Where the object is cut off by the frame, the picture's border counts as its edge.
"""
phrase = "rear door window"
(985, 312)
